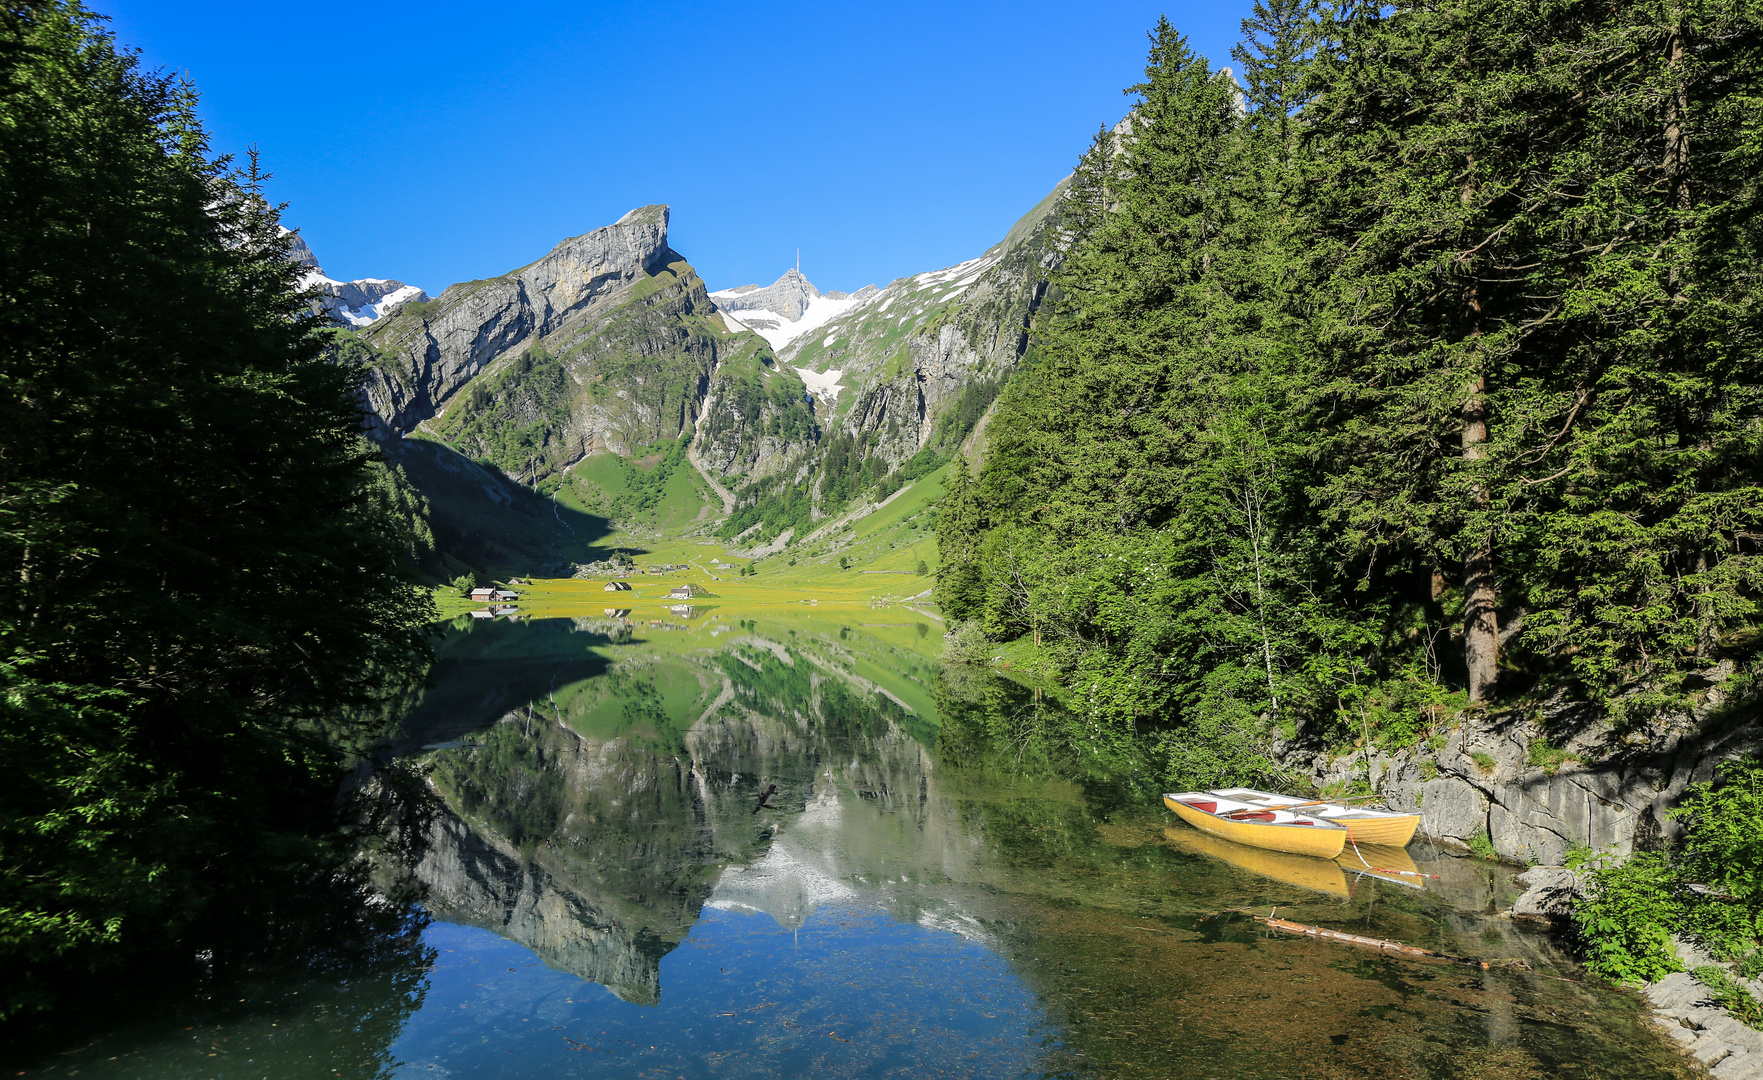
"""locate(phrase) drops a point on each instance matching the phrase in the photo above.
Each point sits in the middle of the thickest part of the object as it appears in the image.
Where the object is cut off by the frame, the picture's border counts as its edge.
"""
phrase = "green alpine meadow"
(589, 669)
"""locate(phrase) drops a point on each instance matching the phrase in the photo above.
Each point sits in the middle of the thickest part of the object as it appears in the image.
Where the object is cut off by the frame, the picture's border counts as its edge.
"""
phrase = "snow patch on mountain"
(349, 303)
(822, 384)
(787, 308)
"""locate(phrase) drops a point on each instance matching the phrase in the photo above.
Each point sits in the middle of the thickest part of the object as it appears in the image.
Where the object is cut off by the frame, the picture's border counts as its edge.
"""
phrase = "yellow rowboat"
(1274, 830)
(1364, 825)
(1319, 875)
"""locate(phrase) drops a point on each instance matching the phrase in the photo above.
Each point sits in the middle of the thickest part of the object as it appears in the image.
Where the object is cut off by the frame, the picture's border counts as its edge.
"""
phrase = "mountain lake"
(606, 885)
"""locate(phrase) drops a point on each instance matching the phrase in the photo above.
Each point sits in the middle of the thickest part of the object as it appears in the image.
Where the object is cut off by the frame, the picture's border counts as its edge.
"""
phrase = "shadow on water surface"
(922, 895)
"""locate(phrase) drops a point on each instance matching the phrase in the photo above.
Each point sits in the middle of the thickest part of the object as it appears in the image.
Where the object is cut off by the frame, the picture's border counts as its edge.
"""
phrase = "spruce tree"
(207, 614)
(1578, 324)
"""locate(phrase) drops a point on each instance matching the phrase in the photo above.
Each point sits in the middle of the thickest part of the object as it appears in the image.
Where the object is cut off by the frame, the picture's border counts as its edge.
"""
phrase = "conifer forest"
(1397, 385)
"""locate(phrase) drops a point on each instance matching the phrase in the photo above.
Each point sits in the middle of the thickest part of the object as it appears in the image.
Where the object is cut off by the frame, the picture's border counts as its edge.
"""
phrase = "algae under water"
(609, 888)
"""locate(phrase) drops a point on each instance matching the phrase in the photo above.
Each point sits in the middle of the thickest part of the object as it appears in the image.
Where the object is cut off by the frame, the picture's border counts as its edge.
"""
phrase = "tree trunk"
(1675, 162)
(1481, 624)
(1677, 143)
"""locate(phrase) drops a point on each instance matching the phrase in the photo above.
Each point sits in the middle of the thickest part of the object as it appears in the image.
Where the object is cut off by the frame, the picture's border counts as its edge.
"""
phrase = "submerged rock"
(1550, 893)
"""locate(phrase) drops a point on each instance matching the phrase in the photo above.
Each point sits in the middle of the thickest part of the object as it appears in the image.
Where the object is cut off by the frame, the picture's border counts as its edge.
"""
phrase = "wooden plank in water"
(1382, 945)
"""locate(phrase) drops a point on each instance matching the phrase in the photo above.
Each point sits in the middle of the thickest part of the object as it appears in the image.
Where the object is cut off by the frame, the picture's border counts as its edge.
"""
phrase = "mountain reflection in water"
(594, 819)
(612, 897)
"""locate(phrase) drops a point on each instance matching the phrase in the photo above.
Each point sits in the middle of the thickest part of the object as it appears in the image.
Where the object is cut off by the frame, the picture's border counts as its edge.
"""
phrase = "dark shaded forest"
(209, 616)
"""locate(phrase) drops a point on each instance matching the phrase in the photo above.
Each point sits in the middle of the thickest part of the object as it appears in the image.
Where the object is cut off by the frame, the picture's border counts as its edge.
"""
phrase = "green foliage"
(1750, 965)
(754, 402)
(965, 644)
(644, 490)
(1499, 260)
(1550, 759)
(843, 470)
(1141, 502)
(1482, 846)
(1709, 888)
(1722, 850)
(1407, 342)
(514, 417)
(208, 614)
(396, 501)
(1485, 762)
(463, 584)
(922, 569)
(844, 562)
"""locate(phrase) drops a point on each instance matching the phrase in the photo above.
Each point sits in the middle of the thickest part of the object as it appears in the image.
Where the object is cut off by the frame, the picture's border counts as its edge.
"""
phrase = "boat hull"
(1393, 831)
(1363, 826)
(1322, 842)
(1299, 870)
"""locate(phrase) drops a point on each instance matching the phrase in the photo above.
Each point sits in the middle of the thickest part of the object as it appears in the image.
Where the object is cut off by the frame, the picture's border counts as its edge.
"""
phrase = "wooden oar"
(1321, 802)
(1295, 806)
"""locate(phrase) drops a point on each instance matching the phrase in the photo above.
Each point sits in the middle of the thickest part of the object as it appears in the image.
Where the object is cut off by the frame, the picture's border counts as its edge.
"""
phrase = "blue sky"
(447, 141)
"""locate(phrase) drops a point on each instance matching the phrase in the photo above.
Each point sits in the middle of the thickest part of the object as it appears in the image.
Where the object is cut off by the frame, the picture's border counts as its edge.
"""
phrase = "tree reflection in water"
(928, 891)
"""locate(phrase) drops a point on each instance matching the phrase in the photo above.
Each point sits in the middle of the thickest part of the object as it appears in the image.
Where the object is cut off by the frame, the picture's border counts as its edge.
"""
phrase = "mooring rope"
(1385, 869)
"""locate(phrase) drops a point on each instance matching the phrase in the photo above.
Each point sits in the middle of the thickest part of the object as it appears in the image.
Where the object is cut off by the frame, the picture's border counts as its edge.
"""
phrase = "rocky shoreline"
(1682, 1005)
(1533, 784)
(1729, 1048)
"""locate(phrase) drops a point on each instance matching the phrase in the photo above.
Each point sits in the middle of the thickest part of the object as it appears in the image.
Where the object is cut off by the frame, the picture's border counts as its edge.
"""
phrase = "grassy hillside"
(653, 492)
(482, 519)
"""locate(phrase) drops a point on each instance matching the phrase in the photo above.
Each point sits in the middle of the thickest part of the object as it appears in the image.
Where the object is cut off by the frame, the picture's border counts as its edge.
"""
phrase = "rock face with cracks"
(431, 350)
(608, 344)
(1539, 783)
(1549, 895)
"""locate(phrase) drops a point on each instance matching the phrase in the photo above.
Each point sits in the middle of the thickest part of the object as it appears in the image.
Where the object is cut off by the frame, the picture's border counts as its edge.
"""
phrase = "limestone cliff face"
(918, 362)
(1604, 789)
(431, 350)
(608, 345)
(788, 297)
(974, 345)
(758, 414)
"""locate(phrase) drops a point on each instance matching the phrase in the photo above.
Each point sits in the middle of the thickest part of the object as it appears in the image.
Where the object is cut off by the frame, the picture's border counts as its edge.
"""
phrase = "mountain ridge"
(357, 303)
(610, 346)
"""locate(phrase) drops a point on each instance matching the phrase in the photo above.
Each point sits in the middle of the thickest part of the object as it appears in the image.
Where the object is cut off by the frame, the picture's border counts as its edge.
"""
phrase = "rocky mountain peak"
(787, 308)
(634, 244)
(472, 324)
(788, 296)
(348, 303)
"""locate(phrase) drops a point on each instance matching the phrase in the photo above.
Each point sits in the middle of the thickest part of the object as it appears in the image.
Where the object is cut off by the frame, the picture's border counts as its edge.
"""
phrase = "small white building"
(618, 586)
(484, 595)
